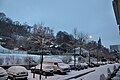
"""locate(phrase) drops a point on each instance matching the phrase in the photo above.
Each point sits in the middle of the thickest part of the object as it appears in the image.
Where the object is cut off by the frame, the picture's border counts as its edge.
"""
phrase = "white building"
(115, 48)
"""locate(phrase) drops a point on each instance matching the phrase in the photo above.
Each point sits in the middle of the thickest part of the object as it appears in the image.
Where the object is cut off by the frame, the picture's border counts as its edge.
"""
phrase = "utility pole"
(75, 36)
(41, 61)
(97, 56)
(89, 56)
(74, 59)
(41, 66)
(98, 47)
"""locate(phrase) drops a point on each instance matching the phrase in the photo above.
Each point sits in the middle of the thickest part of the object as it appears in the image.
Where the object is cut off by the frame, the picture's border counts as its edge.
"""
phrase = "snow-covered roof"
(2, 70)
(83, 64)
(57, 46)
(16, 48)
(51, 45)
(44, 65)
(51, 60)
(2, 48)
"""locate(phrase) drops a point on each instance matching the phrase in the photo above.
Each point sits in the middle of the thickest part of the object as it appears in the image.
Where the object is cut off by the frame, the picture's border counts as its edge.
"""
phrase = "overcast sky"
(95, 17)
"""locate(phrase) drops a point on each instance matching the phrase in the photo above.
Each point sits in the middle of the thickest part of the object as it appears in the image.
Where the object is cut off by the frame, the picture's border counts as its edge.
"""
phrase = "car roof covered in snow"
(51, 60)
(2, 70)
(17, 69)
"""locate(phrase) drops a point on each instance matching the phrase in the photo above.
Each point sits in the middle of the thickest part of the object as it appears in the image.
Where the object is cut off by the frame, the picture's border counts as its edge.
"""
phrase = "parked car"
(83, 65)
(47, 69)
(58, 66)
(72, 66)
(17, 72)
(78, 66)
(95, 64)
(92, 64)
(3, 74)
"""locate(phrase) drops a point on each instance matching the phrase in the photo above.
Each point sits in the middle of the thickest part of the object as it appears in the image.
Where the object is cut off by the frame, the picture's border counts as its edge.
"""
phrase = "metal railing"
(12, 52)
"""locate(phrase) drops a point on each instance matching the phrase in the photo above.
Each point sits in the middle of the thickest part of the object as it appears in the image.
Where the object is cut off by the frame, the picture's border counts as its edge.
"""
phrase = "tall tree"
(41, 35)
(82, 40)
(75, 43)
(63, 37)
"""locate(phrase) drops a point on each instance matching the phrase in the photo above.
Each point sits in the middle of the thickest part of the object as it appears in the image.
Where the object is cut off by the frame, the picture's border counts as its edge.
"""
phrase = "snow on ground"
(60, 77)
(96, 74)
(90, 76)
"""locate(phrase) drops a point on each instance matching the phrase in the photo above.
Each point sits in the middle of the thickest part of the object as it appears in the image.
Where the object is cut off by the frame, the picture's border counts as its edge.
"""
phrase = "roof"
(52, 60)
(2, 48)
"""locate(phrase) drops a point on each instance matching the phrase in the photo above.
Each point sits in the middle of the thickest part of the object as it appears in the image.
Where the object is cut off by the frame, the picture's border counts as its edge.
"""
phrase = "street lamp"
(90, 37)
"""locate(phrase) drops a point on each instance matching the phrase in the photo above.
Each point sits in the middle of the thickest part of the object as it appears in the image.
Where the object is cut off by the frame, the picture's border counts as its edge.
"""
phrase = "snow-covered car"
(93, 64)
(78, 66)
(47, 69)
(17, 72)
(3, 74)
(83, 65)
(58, 66)
(61, 67)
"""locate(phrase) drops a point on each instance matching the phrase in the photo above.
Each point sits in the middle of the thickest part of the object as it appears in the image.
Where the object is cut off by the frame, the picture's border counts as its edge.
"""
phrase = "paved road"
(96, 74)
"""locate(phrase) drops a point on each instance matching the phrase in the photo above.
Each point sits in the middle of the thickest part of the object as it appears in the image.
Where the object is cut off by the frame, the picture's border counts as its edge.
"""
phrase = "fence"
(12, 52)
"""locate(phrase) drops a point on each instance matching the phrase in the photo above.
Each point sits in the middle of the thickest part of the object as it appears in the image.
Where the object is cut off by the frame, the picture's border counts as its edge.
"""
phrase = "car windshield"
(45, 66)
(61, 64)
(49, 67)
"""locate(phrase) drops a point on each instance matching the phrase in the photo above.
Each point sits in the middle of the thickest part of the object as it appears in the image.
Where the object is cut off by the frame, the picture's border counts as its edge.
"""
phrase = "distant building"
(114, 48)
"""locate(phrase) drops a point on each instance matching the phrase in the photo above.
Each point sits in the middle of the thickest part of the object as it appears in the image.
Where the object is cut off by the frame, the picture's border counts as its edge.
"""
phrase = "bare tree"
(28, 60)
(75, 41)
(18, 60)
(67, 59)
(82, 39)
(40, 35)
(79, 40)
(7, 60)
(75, 32)
(12, 59)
